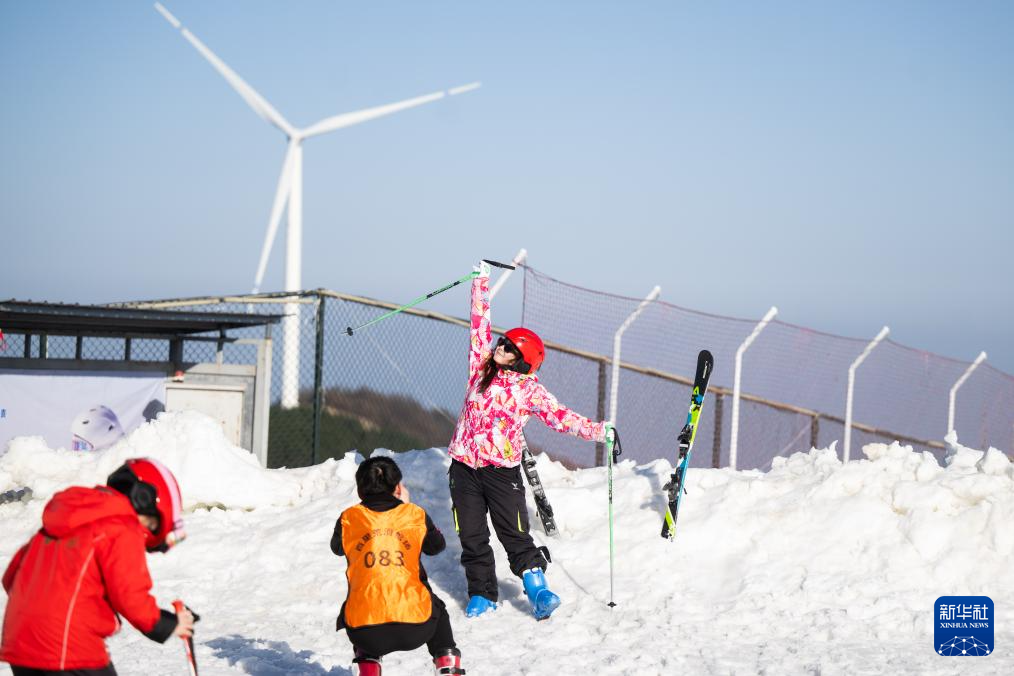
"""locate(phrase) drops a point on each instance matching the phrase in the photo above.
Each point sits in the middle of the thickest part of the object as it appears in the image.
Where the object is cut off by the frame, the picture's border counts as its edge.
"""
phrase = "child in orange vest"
(390, 606)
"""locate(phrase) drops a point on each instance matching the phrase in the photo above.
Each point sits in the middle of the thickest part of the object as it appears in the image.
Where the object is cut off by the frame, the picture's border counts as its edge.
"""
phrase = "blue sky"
(851, 163)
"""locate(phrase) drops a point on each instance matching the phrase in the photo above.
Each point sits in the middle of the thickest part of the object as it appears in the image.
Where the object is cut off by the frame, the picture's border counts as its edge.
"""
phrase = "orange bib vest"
(383, 549)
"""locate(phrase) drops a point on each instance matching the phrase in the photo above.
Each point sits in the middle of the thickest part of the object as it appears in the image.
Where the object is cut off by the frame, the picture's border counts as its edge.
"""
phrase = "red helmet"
(153, 491)
(531, 348)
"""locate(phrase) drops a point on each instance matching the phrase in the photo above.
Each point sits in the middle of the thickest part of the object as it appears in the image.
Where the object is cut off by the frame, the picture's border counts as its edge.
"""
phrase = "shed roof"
(101, 320)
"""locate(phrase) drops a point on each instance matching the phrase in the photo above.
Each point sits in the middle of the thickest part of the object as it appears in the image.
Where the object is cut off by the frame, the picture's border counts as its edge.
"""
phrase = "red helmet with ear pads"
(531, 348)
(153, 491)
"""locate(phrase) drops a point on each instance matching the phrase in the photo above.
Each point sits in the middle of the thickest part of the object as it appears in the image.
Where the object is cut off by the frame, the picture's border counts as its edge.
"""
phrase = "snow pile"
(211, 471)
(813, 567)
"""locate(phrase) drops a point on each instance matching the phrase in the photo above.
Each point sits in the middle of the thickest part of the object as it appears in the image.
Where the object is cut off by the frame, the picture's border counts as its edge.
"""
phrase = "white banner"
(77, 410)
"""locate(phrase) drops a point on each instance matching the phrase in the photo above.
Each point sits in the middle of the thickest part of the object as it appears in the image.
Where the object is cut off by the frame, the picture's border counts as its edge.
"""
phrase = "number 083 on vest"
(383, 550)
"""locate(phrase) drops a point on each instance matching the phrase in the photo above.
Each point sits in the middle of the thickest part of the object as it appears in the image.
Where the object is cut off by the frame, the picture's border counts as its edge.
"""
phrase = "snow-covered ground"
(814, 567)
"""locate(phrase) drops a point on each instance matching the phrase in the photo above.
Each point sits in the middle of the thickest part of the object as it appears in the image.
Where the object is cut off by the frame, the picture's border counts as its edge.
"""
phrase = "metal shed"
(204, 364)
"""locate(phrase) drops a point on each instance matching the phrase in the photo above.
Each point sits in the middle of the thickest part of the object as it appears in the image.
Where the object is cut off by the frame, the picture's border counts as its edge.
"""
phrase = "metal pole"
(600, 448)
(262, 397)
(518, 260)
(734, 436)
(716, 445)
(614, 387)
(954, 390)
(290, 355)
(610, 446)
(614, 390)
(846, 451)
(291, 329)
(318, 386)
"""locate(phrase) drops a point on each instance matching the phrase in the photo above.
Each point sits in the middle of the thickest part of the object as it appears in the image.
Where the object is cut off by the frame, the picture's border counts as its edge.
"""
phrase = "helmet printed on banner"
(531, 348)
(95, 429)
(153, 491)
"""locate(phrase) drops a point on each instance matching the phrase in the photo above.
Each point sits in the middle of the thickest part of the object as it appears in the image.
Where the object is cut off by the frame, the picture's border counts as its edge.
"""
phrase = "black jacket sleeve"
(164, 628)
(433, 542)
(336, 539)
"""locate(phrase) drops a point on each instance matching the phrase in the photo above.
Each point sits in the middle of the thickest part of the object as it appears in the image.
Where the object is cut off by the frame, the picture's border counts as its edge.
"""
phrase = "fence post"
(716, 446)
(734, 440)
(502, 279)
(814, 430)
(600, 447)
(176, 353)
(318, 385)
(846, 451)
(614, 387)
(954, 390)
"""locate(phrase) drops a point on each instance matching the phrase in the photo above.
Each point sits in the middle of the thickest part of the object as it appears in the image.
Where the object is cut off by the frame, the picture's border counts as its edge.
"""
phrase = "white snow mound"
(816, 566)
(210, 470)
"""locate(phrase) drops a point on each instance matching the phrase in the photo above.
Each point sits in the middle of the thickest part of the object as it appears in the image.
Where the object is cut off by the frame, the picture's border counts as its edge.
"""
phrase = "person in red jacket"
(69, 585)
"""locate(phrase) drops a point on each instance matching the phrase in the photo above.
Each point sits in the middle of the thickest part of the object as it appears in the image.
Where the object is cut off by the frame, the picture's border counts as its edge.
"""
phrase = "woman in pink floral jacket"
(485, 475)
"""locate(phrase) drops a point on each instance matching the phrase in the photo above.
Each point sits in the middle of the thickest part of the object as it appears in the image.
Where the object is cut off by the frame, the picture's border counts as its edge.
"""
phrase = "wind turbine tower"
(290, 189)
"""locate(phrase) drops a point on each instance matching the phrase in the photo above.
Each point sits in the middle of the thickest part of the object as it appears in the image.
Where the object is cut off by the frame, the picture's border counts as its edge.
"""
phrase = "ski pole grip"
(617, 448)
(178, 605)
(505, 266)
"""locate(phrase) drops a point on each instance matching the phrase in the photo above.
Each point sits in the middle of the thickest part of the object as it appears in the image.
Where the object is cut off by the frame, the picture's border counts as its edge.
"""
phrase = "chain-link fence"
(397, 385)
(793, 381)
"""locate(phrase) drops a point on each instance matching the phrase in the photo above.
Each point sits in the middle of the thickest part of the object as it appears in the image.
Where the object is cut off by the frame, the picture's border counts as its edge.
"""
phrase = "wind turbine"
(290, 189)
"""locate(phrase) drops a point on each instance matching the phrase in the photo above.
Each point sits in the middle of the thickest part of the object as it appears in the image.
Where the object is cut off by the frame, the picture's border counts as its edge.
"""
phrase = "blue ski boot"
(544, 602)
(477, 605)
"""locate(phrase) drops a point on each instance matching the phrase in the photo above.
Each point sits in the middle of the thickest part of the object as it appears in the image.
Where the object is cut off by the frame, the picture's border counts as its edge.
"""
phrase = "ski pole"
(613, 450)
(472, 275)
(188, 641)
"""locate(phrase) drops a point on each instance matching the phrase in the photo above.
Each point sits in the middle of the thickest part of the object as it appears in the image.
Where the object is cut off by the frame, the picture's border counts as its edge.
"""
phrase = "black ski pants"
(380, 639)
(500, 492)
(107, 670)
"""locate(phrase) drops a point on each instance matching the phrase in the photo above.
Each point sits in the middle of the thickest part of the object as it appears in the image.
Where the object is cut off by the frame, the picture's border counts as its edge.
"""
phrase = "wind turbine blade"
(281, 195)
(464, 88)
(349, 119)
(253, 99)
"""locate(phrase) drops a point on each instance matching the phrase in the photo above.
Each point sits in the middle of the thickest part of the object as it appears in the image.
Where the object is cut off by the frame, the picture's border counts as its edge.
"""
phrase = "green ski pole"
(471, 275)
(613, 450)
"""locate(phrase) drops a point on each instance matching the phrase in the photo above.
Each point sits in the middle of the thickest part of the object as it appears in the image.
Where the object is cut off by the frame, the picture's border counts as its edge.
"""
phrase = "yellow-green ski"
(675, 487)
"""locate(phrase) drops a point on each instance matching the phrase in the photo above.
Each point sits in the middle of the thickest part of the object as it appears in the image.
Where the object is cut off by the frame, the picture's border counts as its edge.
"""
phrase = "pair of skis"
(676, 486)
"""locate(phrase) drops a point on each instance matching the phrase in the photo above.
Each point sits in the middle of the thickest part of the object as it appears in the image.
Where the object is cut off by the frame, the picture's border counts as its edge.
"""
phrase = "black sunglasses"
(509, 346)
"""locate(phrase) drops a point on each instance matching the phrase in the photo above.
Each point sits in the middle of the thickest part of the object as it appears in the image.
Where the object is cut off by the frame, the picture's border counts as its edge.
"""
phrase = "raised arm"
(546, 408)
(481, 335)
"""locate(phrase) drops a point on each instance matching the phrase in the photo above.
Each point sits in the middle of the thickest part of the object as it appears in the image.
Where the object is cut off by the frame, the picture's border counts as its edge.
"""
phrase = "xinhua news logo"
(963, 626)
